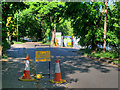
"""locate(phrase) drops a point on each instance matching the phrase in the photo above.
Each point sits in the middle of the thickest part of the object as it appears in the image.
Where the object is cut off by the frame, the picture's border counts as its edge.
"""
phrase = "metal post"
(49, 70)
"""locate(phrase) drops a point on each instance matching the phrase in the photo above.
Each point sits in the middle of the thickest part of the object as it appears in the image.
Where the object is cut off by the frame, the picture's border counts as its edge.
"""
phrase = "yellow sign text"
(42, 56)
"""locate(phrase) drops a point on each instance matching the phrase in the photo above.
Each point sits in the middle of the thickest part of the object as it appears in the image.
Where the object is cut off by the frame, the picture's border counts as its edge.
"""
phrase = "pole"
(17, 27)
(105, 28)
(49, 69)
(54, 33)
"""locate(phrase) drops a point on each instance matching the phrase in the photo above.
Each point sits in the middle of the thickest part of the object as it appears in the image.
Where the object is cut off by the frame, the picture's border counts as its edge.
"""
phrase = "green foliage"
(116, 61)
(5, 45)
(11, 27)
(28, 24)
(101, 54)
(85, 22)
(88, 23)
(113, 25)
(84, 19)
(46, 43)
(65, 27)
(4, 56)
(9, 9)
(35, 22)
(19, 42)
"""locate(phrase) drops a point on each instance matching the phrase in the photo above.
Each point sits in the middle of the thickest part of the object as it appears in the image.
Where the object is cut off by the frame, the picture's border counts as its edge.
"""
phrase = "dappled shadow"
(70, 64)
(77, 64)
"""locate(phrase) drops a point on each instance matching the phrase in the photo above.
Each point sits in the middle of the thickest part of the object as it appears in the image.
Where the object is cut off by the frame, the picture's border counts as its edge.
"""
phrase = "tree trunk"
(105, 29)
(53, 35)
(93, 46)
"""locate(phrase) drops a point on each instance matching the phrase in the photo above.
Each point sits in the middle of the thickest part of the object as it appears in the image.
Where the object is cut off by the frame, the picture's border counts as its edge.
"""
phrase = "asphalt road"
(80, 72)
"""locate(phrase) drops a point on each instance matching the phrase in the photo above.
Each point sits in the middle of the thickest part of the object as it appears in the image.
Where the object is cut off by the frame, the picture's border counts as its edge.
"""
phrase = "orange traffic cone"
(26, 76)
(27, 57)
(58, 77)
(55, 44)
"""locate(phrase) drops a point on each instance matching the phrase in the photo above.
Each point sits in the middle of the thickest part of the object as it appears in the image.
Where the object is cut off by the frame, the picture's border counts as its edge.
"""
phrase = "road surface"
(80, 72)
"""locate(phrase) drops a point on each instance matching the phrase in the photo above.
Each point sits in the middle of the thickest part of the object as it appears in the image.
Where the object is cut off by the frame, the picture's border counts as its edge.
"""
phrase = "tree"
(64, 26)
(105, 27)
(86, 22)
(114, 26)
(41, 12)
(49, 13)
(8, 10)
(53, 12)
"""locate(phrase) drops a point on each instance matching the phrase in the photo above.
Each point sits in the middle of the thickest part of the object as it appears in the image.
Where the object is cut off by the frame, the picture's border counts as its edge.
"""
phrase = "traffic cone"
(55, 43)
(27, 57)
(26, 76)
(58, 78)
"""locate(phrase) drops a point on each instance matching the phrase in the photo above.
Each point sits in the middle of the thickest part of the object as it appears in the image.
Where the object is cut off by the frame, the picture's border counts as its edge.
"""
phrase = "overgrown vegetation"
(4, 56)
(88, 23)
(18, 42)
(101, 54)
(5, 45)
(46, 43)
(117, 61)
(40, 20)
(113, 56)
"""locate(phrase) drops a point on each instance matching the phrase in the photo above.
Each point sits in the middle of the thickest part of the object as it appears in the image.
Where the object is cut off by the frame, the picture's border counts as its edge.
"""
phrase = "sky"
(110, 2)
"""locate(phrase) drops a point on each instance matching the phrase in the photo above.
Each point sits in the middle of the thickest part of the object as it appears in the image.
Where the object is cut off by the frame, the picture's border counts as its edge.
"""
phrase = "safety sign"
(42, 56)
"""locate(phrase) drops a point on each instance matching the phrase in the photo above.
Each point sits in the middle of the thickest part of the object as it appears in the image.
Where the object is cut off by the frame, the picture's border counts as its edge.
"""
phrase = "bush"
(5, 45)
(101, 54)
(108, 54)
(4, 56)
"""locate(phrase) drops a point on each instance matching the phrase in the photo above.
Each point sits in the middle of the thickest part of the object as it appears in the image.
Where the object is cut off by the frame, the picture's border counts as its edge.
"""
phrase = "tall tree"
(86, 22)
(8, 10)
(105, 27)
(51, 11)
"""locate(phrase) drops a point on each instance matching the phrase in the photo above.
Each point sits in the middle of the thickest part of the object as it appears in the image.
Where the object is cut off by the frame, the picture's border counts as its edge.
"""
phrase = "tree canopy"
(88, 23)
(81, 19)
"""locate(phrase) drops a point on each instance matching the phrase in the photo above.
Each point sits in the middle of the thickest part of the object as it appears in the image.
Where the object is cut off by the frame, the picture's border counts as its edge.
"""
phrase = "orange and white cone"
(26, 76)
(58, 78)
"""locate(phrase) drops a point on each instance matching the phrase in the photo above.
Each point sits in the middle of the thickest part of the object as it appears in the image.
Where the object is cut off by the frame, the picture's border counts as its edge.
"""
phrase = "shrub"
(5, 45)
(101, 54)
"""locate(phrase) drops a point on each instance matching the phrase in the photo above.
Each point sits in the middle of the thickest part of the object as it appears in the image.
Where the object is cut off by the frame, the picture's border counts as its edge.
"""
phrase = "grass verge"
(4, 56)
(117, 61)
(5, 44)
(46, 43)
(101, 54)
(19, 42)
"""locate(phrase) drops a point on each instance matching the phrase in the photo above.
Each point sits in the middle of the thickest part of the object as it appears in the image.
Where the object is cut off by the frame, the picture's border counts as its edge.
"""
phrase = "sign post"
(43, 56)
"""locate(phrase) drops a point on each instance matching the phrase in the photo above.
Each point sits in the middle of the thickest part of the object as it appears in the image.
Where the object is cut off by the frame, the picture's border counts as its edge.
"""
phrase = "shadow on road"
(70, 63)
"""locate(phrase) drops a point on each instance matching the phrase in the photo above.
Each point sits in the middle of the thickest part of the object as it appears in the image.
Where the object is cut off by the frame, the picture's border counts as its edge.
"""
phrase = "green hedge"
(101, 54)
(5, 45)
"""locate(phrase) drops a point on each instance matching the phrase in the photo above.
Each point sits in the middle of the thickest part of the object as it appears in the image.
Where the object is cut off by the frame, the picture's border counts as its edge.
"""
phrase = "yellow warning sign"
(69, 43)
(42, 56)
